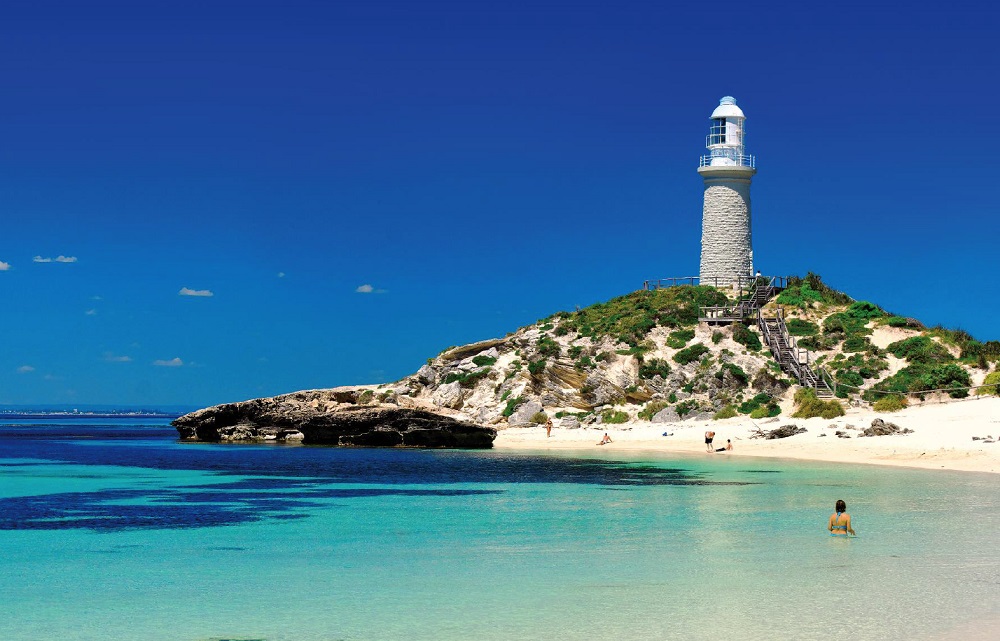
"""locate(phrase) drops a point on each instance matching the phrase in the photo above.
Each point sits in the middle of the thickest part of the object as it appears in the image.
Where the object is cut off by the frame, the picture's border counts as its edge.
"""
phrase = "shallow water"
(117, 531)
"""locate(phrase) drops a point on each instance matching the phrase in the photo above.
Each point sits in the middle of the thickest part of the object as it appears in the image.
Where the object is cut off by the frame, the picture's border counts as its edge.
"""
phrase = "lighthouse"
(726, 251)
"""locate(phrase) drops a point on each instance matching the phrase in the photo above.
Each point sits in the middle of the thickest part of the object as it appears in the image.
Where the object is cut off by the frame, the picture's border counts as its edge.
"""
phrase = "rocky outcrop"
(781, 432)
(522, 415)
(331, 417)
(881, 427)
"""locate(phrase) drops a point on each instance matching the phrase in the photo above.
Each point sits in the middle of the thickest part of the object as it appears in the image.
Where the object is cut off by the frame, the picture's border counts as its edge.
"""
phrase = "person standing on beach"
(840, 521)
(548, 427)
(709, 435)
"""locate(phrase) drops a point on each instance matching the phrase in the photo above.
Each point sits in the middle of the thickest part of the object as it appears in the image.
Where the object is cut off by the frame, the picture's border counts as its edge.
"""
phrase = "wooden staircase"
(761, 288)
(794, 360)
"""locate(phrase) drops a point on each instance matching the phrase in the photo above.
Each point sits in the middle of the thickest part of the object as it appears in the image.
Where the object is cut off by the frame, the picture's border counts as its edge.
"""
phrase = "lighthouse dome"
(727, 109)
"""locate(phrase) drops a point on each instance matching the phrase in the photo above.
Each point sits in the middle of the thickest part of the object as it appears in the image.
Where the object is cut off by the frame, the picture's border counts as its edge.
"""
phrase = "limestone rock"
(426, 375)
(666, 415)
(880, 427)
(781, 432)
(449, 395)
(292, 418)
(569, 423)
(522, 415)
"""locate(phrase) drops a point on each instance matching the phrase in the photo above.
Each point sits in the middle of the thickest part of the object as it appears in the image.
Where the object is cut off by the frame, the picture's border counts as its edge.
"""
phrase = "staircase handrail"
(828, 379)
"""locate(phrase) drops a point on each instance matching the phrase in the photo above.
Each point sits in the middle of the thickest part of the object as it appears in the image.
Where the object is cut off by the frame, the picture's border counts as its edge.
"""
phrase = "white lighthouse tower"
(726, 251)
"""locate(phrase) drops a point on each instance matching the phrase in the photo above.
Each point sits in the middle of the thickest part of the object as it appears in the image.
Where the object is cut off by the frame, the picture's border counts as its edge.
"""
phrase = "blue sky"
(469, 167)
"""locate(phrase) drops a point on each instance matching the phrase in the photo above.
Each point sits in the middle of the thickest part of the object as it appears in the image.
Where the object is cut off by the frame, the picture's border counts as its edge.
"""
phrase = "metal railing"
(733, 160)
(778, 282)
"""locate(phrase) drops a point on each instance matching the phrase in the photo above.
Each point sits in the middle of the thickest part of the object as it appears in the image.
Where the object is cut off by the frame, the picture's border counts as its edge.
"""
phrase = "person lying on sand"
(605, 440)
(727, 448)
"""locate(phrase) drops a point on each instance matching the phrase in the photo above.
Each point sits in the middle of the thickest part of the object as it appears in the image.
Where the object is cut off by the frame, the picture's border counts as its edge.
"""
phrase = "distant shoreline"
(81, 415)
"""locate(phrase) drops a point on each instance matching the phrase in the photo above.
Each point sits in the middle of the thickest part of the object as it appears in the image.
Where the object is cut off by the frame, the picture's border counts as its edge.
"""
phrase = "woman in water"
(840, 521)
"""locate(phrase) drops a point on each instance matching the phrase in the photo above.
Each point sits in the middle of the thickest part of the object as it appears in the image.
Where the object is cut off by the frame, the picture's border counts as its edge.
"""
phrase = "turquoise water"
(119, 532)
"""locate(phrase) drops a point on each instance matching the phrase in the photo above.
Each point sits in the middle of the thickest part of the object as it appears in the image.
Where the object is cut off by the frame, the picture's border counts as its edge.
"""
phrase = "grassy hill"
(644, 355)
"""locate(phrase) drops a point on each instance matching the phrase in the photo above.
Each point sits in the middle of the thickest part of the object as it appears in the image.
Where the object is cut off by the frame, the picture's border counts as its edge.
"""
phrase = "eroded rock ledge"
(331, 417)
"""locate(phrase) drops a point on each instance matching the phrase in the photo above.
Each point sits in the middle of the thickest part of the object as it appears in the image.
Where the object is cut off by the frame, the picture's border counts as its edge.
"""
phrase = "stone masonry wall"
(725, 230)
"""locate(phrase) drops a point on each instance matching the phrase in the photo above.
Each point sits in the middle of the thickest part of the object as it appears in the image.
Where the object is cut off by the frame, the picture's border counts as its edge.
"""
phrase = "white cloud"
(58, 259)
(39, 259)
(173, 362)
(24, 369)
(365, 289)
(111, 358)
(187, 291)
(91, 312)
(65, 259)
(4, 266)
(281, 274)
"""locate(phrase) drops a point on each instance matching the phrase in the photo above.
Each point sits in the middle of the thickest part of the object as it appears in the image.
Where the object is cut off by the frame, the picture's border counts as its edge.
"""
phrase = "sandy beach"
(942, 437)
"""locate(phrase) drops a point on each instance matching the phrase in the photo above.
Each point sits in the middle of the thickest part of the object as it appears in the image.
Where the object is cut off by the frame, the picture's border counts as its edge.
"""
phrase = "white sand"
(941, 438)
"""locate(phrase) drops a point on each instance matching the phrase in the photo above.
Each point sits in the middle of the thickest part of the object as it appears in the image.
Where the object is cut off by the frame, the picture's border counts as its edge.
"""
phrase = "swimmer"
(840, 521)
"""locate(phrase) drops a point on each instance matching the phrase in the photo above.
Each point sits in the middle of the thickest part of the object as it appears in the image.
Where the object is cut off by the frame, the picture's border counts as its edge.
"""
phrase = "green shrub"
(818, 343)
(483, 361)
(745, 337)
(467, 379)
(575, 351)
(680, 338)
(613, 417)
(717, 337)
(686, 407)
(512, 405)
(726, 412)
(629, 318)
(850, 378)
(505, 396)
(920, 349)
(547, 347)
(921, 377)
(766, 411)
(799, 295)
(799, 327)
(539, 417)
(890, 403)
(737, 372)
(857, 344)
(690, 354)
(562, 330)
(603, 356)
(808, 406)
(584, 362)
(993, 378)
(896, 321)
(652, 367)
(844, 323)
(863, 310)
(672, 398)
(758, 401)
(536, 367)
(651, 409)
(367, 396)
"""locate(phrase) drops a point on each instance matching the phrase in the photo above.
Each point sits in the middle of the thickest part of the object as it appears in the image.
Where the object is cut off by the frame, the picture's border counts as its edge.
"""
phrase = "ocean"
(112, 529)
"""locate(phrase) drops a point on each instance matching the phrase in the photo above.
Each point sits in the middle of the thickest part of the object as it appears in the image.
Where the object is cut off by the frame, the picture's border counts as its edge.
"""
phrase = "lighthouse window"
(717, 135)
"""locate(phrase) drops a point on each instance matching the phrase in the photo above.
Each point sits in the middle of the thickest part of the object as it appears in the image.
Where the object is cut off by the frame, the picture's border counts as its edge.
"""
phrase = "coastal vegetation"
(644, 354)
